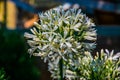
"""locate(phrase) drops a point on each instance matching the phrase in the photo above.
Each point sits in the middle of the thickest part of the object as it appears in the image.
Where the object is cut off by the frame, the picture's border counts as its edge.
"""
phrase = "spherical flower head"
(61, 34)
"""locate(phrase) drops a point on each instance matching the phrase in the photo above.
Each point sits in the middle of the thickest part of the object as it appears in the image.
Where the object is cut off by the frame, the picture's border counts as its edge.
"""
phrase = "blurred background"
(17, 17)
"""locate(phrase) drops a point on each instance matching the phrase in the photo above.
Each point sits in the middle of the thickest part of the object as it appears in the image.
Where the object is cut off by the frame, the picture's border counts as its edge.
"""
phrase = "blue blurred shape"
(91, 5)
(108, 30)
(24, 6)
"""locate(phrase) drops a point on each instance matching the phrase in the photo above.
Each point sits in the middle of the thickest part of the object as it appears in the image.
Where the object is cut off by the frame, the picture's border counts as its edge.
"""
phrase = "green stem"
(61, 69)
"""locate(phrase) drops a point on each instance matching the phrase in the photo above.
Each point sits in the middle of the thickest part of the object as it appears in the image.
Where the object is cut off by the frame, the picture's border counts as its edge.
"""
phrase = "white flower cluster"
(105, 66)
(61, 35)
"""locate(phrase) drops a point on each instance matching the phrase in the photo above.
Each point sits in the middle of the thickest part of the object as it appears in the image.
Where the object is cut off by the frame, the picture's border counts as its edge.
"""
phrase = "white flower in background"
(61, 35)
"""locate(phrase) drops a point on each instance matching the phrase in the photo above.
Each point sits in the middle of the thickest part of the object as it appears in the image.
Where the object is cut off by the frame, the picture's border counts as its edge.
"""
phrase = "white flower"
(59, 35)
(116, 56)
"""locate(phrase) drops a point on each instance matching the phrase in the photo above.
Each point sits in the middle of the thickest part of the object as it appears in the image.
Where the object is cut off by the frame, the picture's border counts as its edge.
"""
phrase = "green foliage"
(2, 74)
(14, 58)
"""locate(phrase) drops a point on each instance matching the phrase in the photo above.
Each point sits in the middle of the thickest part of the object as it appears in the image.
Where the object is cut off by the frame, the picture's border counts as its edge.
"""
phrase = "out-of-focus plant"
(2, 74)
(104, 66)
(14, 58)
(61, 35)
